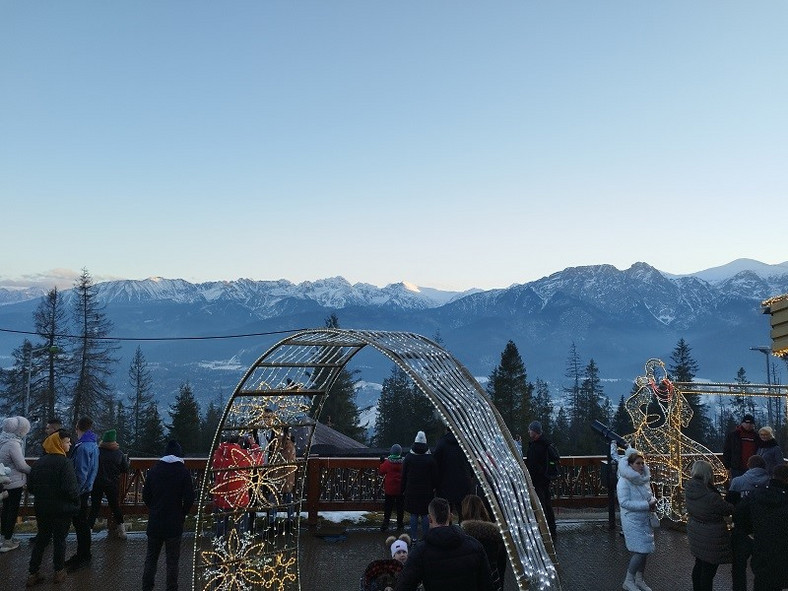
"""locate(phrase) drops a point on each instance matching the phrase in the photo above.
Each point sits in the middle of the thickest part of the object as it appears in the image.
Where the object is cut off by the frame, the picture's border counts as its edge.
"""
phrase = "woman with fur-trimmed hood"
(637, 503)
(476, 523)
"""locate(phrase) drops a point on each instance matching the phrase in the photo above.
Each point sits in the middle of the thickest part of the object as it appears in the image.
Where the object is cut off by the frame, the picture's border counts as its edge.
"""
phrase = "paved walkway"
(591, 558)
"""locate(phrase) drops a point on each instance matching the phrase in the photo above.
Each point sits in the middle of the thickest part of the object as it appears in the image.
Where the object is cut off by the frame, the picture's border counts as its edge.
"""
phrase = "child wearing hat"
(112, 463)
(391, 469)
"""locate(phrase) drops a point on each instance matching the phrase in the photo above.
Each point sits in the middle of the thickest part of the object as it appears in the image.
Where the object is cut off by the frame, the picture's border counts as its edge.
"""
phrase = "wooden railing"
(353, 484)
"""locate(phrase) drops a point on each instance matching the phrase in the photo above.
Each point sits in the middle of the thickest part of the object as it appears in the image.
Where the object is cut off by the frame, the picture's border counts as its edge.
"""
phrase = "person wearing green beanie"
(112, 463)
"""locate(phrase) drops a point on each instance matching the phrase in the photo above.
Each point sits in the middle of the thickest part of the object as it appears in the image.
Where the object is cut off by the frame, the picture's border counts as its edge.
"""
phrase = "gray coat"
(772, 455)
(707, 530)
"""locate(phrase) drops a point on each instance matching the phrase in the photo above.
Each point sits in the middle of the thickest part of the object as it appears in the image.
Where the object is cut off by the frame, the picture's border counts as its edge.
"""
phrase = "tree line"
(65, 373)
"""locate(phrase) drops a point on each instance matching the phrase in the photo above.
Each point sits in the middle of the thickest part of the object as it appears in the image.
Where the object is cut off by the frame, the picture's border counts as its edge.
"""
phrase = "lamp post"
(767, 351)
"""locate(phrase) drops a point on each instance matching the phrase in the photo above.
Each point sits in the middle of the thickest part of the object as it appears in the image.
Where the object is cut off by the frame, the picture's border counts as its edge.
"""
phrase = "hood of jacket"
(695, 489)
(419, 448)
(448, 537)
(54, 445)
(629, 473)
(484, 531)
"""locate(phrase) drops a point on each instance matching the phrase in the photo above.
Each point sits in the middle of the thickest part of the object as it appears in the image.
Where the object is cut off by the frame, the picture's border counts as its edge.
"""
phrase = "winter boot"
(99, 525)
(629, 583)
(640, 583)
(33, 579)
(120, 531)
(9, 544)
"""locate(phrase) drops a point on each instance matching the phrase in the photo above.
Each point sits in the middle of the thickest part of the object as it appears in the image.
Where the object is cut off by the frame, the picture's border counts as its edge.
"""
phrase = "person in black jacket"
(740, 444)
(454, 471)
(419, 479)
(169, 495)
(447, 559)
(53, 483)
(536, 460)
(111, 464)
(764, 514)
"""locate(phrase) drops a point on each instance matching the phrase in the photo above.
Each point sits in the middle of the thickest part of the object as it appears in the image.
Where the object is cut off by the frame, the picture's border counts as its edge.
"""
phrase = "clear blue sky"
(449, 144)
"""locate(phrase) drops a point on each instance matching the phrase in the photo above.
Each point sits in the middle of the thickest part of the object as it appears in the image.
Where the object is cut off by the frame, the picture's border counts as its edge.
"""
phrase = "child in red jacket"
(391, 469)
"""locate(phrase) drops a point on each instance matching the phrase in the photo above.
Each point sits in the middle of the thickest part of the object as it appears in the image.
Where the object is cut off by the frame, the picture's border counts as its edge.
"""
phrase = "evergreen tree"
(185, 420)
(593, 406)
(684, 369)
(140, 398)
(339, 410)
(622, 422)
(562, 435)
(543, 407)
(393, 425)
(151, 439)
(209, 425)
(92, 354)
(510, 391)
(574, 371)
(13, 382)
(51, 322)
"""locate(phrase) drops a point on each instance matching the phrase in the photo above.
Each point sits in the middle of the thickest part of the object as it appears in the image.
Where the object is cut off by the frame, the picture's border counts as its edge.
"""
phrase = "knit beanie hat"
(420, 437)
(536, 427)
(109, 436)
(19, 426)
(174, 449)
(398, 545)
(396, 450)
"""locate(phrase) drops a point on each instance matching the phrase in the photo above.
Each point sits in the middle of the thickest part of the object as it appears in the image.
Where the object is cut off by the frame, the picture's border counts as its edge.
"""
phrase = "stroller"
(380, 575)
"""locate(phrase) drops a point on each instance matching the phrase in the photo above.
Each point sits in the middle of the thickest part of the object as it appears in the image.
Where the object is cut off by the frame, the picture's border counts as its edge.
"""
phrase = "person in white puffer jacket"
(15, 429)
(637, 504)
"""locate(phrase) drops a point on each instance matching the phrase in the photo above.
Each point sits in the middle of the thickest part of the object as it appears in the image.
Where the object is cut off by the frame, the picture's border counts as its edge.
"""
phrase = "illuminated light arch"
(280, 389)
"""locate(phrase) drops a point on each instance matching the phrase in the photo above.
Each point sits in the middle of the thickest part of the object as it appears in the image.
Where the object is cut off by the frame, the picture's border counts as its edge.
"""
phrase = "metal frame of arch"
(283, 392)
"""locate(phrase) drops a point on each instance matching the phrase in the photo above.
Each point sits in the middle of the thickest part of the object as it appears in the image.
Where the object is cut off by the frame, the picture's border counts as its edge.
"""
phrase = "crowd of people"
(77, 471)
(68, 482)
(748, 524)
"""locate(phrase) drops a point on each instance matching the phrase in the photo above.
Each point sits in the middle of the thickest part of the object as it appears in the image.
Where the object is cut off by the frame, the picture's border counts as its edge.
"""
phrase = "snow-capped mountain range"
(619, 318)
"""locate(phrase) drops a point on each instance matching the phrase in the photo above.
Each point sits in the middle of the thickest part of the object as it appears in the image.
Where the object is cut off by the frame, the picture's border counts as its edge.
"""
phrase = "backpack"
(553, 468)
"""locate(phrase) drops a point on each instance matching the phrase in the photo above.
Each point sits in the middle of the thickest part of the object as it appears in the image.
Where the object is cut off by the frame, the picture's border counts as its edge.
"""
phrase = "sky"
(449, 144)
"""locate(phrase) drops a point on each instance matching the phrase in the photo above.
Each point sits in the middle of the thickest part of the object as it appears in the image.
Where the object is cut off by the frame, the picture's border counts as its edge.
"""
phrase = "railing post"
(313, 467)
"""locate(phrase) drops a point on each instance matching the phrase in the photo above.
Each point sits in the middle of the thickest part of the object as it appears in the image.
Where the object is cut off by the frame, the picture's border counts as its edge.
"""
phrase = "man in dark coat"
(764, 514)
(54, 485)
(419, 479)
(446, 559)
(454, 471)
(169, 495)
(740, 444)
(536, 460)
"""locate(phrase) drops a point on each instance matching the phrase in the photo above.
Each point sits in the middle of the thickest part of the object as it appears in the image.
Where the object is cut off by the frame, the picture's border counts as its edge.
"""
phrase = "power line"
(203, 338)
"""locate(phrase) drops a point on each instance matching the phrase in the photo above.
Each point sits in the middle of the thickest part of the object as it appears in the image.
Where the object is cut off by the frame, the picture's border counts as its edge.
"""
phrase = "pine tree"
(393, 423)
(339, 410)
(209, 425)
(92, 354)
(13, 382)
(185, 420)
(543, 407)
(574, 371)
(140, 397)
(510, 391)
(51, 321)
(684, 369)
(593, 406)
(622, 422)
(151, 439)
(562, 436)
